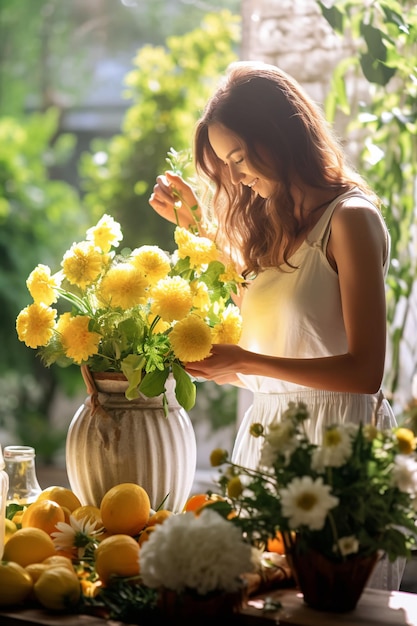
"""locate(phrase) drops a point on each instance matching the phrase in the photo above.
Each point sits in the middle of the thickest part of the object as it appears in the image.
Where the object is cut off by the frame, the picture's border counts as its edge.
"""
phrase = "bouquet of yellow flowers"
(141, 312)
(354, 493)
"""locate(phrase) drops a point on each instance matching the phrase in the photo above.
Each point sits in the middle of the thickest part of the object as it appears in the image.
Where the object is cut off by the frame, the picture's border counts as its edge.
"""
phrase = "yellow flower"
(234, 487)
(77, 341)
(201, 250)
(218, 457)
(191, 339)
(172, 298)
(82, 264)
(160, 326)
(35, 325)
(231, 275)
(152, 262)
(230, 327)
(42, 286)
(105, 234)
(201, 295)
(406, 440)
(123, 286)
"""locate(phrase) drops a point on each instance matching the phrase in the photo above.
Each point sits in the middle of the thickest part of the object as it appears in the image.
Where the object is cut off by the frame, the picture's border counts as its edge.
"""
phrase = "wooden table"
(375, 608)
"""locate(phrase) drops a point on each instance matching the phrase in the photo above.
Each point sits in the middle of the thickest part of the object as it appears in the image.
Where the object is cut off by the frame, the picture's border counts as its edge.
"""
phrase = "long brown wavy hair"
(272, 115)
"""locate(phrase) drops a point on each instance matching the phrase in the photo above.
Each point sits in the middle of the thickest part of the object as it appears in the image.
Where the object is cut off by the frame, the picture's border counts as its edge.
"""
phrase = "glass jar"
(20, 467)
(4, 485)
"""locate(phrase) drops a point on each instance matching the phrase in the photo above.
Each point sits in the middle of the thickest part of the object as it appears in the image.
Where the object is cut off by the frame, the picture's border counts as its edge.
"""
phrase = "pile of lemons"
(33, 570)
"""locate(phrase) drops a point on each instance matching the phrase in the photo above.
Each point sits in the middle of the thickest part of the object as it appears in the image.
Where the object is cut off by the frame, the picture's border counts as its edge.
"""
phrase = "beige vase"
(112, 440)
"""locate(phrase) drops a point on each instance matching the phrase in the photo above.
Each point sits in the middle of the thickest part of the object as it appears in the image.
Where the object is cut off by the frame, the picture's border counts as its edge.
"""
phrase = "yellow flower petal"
(82, 264)
(35, 325)
(191, 339)
(171, 298)
(42, 286)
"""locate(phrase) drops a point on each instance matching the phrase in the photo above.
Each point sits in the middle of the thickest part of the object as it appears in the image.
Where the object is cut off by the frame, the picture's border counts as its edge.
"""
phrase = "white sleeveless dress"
(298, 313)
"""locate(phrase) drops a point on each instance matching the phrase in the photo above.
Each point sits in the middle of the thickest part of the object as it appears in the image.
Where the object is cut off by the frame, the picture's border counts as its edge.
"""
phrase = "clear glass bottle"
(24, 487)
(4, 485)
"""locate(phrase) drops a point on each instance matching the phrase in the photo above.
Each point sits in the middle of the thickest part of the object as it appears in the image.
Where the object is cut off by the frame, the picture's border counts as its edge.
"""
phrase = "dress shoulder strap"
(321, 232)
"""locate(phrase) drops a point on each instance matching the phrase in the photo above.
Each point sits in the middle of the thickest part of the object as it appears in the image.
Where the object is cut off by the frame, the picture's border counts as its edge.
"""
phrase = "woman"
(310, 240)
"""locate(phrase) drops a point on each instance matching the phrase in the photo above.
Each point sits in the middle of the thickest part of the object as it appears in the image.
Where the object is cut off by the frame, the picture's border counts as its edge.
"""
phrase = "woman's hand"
(221, 366)
(174, 200)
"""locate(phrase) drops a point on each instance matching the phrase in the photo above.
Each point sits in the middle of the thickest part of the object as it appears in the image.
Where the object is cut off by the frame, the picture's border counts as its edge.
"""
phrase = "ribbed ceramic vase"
(112, 440)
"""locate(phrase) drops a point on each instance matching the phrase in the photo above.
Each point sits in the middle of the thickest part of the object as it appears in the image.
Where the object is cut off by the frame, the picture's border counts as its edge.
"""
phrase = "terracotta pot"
(112, 440)
(327, 585)
(180, 608)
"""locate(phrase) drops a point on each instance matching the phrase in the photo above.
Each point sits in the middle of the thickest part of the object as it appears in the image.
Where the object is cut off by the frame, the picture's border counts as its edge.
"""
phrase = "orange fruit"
(145, 534)
(125, 509)
(28, 545)
(15, 584)
(60, 495)
(276, 544)
(44, 514)
(159, 517)
(117, 555)
(198, 500)
(58, 589)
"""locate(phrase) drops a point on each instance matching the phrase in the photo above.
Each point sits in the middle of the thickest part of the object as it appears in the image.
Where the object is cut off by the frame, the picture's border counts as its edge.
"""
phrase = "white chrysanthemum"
(279, 439)
(306, 502)
(336, 448)
(204, 553)
(78, 534)
(348, 545)
(404, 474)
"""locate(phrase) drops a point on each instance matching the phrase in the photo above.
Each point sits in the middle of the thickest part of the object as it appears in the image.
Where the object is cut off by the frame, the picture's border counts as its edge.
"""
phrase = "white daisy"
(279, 440)
(77, 534)
(306, 502)
(404, 474)
(347, 545)
(335, 450)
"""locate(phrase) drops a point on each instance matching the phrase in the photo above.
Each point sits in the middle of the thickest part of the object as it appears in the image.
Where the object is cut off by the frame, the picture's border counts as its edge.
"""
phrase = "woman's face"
(229, 149)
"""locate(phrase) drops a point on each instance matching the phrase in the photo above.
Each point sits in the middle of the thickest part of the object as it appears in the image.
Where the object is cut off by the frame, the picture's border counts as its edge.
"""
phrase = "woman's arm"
(357, 248)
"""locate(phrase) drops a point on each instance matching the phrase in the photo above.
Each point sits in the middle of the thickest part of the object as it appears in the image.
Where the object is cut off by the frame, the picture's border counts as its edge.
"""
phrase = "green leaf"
(375, 71)
(153, 384)
(185, 389)
(333, 16)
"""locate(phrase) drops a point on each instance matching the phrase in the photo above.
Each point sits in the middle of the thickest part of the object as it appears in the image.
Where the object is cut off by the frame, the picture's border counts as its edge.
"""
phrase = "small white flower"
(77, 534)
(336, 448)
(280, 437)
(204, 553)
(306, 502)
(348, 545)
(404, 474)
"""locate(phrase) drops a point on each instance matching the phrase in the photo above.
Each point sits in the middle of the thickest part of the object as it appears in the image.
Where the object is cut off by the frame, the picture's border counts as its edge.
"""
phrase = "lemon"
(58, 589)
(159, 517)
(125, 509)
(60, 495)
(36, 569)
(117, 555)
(59, 560)
(9, 530)
(44, 514)
(145, 534)
(28, 545)
(15, 583)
